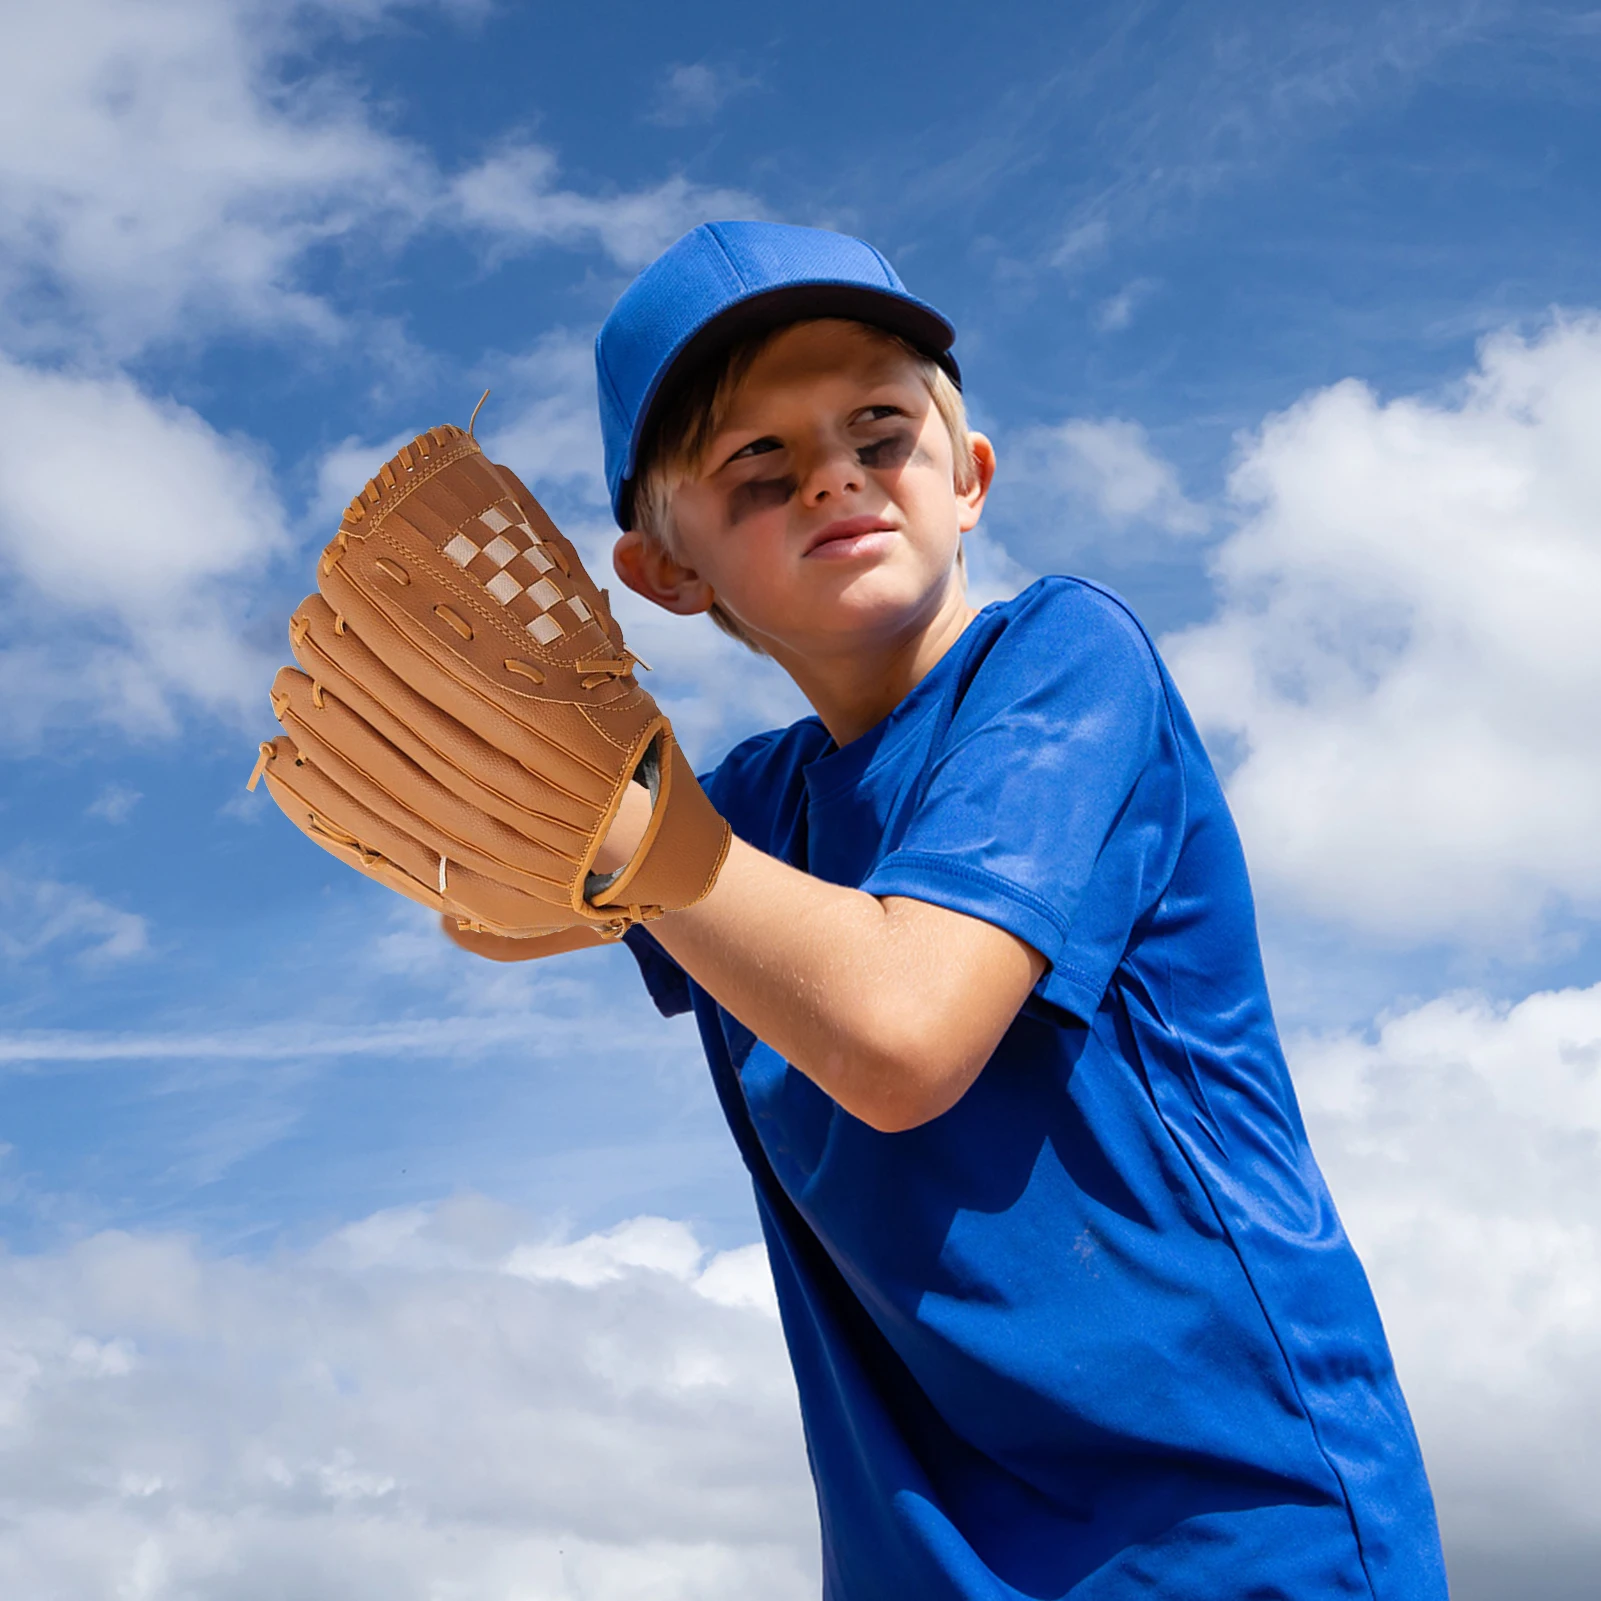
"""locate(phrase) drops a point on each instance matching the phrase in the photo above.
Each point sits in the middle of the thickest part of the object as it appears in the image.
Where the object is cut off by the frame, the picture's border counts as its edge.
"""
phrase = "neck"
(855, 688)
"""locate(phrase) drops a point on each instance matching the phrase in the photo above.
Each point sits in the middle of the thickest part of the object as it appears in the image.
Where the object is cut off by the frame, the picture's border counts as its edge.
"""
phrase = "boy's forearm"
(892, 1007)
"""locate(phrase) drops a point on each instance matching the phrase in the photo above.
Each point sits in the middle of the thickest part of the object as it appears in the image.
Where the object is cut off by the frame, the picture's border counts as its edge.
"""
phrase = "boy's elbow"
(896, 1115)
(908, 1079)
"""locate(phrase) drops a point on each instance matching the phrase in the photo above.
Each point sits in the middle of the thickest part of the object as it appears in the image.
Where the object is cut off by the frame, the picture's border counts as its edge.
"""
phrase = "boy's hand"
(468, 726)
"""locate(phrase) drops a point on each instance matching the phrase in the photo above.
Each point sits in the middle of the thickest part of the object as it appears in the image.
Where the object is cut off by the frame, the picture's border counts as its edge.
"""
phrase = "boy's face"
(824, 513)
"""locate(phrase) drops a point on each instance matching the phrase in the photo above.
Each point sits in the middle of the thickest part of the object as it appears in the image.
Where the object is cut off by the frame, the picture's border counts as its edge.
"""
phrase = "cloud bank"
(425, 1405)
(445, 1400)
(1405, 652)
(1463, 1143)
(132, 535)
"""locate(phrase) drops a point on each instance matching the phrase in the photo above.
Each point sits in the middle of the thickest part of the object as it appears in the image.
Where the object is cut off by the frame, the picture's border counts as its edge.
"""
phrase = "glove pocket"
(474, 681)
(483, 775)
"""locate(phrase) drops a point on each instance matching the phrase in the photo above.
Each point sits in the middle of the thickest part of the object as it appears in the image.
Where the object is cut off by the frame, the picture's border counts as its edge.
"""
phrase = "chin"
(874, 612)
(873, 602)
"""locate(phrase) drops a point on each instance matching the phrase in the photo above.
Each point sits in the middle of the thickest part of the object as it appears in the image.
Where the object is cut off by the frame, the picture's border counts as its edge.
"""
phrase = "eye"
(757, 447)
(885, 450)
(877, 413)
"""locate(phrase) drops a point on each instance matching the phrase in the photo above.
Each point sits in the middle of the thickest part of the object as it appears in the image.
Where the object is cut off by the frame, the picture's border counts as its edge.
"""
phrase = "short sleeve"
(1053, 804)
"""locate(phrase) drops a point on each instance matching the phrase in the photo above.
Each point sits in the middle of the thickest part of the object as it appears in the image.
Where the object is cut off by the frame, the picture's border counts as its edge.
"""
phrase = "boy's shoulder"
(1089, 611)
(1066, 640)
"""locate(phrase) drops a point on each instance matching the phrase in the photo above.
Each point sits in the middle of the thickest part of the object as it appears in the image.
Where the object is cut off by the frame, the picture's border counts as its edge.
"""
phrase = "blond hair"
(677, 443)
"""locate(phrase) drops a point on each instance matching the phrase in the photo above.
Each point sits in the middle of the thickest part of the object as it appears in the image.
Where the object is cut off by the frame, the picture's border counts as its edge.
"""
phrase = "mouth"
(847, 536)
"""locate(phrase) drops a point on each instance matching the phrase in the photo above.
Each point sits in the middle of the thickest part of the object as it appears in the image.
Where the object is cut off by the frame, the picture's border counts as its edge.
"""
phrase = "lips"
(844, 532)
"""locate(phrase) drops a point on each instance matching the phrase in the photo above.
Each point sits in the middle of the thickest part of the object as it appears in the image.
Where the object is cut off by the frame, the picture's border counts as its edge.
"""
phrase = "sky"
(338, 1264)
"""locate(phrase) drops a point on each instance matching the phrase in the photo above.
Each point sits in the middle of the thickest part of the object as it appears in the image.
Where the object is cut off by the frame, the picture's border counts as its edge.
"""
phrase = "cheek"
(927, 478)
(736, 560)
(927, 490)
(752, 499)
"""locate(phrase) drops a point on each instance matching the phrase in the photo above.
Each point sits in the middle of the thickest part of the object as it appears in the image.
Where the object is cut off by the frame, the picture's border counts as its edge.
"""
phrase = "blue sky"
(1285, 322)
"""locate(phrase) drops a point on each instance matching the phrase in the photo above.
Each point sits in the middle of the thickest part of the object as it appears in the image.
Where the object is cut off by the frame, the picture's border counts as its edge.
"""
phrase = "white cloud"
(41, 914)
(155, 170)
(542, 420)
(421, 1036)
(344, 468)
(1081, 241)
(513, 194)
(740, 1277)
(1463, 1144)
(1106, 472)
(396, 1415)
(1116, 312)
(643, 1242)
(695, 92)
(115, 803)
(1406, 648)
(132, 534)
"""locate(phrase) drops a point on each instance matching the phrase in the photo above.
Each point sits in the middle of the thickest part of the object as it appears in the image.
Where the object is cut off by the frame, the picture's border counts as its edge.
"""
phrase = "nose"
(831, 472)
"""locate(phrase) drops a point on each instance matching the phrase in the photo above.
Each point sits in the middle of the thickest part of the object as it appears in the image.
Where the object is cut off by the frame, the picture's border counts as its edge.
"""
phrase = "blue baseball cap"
(724, 281)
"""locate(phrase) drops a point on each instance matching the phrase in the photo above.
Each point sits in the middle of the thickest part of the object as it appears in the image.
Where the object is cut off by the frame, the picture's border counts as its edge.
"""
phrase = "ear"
(648, 569)
(971, 500)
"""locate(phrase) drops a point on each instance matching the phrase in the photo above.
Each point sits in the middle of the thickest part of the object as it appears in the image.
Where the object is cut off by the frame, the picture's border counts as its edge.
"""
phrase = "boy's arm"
(892, 1006)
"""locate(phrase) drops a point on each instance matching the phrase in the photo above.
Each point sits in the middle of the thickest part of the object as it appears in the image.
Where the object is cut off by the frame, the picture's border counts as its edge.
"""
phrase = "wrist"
(626, 831)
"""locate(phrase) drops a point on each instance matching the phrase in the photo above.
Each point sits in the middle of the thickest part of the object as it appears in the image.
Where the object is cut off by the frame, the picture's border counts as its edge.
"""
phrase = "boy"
(1070, 1309)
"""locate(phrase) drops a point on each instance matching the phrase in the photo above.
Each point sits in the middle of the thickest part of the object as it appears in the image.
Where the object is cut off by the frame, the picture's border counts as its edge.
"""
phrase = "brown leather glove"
(467, 719)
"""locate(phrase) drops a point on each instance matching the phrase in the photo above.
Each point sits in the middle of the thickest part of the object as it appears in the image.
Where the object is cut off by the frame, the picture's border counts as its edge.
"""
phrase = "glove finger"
(484, 776)
(388, 784)
(333, 819)
(339, 827)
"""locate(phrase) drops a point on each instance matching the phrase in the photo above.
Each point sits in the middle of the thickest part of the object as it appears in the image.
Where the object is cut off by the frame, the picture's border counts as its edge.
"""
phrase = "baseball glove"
(467, 720)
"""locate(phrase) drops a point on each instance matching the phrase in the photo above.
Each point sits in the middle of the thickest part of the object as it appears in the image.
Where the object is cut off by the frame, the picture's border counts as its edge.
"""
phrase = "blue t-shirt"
(1095, 1332)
